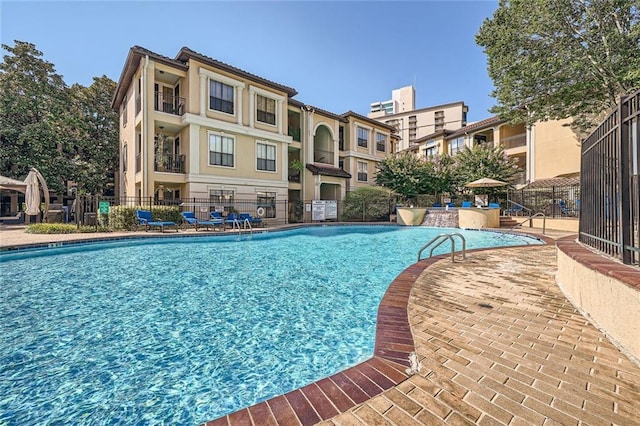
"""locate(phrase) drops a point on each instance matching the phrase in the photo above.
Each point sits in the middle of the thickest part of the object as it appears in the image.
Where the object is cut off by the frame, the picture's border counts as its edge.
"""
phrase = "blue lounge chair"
(144, 218)
(190, 219)
(466, 204)
(231, 219)
(515, 210)
(565, 210)
(215, 215)
(437, 204)
(252, 220)
(494, 205)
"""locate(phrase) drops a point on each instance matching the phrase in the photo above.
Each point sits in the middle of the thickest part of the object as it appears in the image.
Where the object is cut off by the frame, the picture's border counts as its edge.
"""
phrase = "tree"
(34, 100)
(66, 133)
(95, 125)
(553, 59)
(406, 175)
(367, 203)
(481, 161)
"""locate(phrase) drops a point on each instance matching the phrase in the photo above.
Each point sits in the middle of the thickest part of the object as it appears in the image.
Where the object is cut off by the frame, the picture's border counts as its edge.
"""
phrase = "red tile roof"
(323, 169)
(478, 125)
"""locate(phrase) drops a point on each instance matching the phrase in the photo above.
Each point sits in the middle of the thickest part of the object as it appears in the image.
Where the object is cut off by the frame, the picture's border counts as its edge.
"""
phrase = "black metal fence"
(610, 184)
(119, 212)
(556, 201)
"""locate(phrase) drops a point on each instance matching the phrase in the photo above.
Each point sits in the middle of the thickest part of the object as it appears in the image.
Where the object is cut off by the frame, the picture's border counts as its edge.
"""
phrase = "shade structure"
(486, 183)
(32, 194)
(12, 184)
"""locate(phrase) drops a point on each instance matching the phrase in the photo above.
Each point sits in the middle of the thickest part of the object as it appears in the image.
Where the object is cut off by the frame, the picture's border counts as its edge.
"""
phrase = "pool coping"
(338, 393)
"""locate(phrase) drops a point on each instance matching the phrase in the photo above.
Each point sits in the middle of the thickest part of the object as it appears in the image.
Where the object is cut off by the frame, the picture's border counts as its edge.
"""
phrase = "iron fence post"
(625, 178)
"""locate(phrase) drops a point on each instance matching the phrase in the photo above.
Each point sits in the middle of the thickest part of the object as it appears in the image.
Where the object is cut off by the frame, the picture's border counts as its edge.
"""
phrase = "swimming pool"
(184, 330)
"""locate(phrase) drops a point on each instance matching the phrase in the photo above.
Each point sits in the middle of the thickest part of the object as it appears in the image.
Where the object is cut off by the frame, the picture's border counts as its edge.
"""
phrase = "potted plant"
(295, 168)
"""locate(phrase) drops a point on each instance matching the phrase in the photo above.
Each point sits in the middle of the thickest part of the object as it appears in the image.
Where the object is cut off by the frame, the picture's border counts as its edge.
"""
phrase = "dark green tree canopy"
(482, 161)
(553, 59)
(67, 133)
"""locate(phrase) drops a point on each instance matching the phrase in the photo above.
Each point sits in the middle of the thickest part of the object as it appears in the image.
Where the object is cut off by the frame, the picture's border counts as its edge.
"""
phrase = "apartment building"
(545, 150)
(413, 125)
(192, 127)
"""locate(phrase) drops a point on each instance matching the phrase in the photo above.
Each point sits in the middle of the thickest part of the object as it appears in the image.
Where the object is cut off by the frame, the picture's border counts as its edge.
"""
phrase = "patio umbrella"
(12, 184)
(486, 183)
(32, 194)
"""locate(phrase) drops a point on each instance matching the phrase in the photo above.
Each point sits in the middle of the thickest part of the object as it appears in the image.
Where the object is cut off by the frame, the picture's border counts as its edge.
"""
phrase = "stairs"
(508, 222)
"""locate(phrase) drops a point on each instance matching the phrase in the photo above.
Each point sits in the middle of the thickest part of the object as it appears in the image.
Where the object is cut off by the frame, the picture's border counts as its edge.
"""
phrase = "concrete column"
(252, 107)
(279, 115)
(239, 103)
(194, 149)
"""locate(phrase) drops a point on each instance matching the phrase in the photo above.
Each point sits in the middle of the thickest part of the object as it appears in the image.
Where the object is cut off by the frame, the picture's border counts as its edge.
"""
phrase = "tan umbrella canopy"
(32, 193)
(486, 183)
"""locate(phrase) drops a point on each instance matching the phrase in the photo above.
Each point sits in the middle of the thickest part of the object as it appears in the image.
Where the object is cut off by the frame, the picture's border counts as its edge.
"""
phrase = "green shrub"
(51, 228)
(124, 217)
(368, 204)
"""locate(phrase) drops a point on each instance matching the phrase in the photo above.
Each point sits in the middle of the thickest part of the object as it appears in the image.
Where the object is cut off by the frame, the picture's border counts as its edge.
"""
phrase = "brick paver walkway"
(500, 344)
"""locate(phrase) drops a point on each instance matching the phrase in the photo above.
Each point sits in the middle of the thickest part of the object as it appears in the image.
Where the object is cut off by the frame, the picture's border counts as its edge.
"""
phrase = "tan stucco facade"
(195, 128)
(555, 150)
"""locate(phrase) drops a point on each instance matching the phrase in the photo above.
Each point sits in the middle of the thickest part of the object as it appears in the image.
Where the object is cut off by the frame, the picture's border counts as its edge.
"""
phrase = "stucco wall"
(612, 304)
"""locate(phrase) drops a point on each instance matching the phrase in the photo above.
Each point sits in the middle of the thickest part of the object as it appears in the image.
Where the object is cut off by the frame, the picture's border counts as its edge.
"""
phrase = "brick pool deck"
(498, 344)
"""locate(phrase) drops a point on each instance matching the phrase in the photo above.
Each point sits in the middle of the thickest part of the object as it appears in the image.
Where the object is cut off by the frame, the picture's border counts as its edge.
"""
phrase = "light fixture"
(161, 127)
(161, 72)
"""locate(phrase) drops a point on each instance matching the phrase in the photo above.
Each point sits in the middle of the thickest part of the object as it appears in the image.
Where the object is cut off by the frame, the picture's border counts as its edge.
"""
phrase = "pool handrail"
(441, 238)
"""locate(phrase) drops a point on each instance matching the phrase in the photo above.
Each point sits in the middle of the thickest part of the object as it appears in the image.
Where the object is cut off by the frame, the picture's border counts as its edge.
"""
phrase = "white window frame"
(221, 135)
(459, 145)
(368, 130)
(381, 137)
(365, 172)
(238, 86)
(253, 104)
(275, 160)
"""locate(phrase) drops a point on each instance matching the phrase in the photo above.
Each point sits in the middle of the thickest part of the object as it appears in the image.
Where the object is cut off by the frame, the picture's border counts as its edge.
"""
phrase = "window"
(362, 171)
(221, 199)
(456, 145)
(124, 157)
(266, 156)
(341, 138)
(363, 137)
(221, 151)
(430, 151)
(124, 110)
(381, 142)
(266, 201)
(266, 109)
(220, 97)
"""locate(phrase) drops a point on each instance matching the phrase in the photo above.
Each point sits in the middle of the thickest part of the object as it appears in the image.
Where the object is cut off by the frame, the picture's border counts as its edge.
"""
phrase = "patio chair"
(190, 219)
(515, 210)
(252, 220)
(436, 204)
(564, 209)
(494, 205)
(231, 219)
(144, 218)
(466, 204)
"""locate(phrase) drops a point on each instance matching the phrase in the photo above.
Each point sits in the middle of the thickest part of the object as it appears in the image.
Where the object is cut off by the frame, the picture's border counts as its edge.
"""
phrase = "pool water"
(184, 330)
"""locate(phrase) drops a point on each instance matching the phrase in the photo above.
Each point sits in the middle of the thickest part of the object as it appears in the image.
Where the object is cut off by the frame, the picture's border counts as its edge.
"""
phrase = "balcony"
(169, 104)
(138, 163)
(294, 132)
(320, 156)
(515, 141)
(169, 163)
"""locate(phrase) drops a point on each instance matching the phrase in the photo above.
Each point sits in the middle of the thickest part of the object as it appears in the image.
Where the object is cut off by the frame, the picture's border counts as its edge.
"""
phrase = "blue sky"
(339, 56)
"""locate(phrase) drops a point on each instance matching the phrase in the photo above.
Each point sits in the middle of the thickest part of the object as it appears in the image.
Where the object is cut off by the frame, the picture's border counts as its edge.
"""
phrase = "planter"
(411, 216)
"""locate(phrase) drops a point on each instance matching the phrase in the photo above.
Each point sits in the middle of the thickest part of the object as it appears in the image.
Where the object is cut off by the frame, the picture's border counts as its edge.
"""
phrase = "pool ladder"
(439, 239)
(245, 224)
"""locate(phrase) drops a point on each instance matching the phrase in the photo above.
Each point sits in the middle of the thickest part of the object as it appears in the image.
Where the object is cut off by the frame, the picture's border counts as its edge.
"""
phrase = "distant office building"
(403, 99)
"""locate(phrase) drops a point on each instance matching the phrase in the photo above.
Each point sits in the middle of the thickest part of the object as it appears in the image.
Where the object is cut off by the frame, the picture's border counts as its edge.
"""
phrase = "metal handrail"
(441, 238)
(530, 220)
(247, 223)
(511, 204)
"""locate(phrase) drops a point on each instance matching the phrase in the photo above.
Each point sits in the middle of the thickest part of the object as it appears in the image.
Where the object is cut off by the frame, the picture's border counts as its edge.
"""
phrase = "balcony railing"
(138, 163)
(138, 104)
(294, 132)
(320, 156)
(169, 163)
(169, 103)
(294, 178)
(514, 141)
